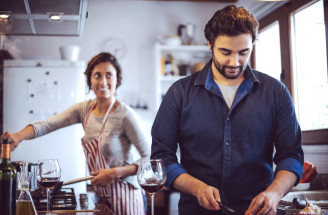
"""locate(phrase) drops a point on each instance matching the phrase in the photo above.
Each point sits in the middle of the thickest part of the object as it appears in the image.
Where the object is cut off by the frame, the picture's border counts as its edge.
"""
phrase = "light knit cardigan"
(122, 134)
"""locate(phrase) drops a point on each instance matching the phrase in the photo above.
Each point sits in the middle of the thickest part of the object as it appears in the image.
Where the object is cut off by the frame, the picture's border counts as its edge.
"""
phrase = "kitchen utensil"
(226, 207)
(317, 197)
(60, 184)
(33, 168)
(78, 180)
(298, 204)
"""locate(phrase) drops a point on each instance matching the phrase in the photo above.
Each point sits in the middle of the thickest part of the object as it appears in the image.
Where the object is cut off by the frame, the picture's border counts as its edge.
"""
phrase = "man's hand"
(264, 203)
(267, 201)
(208, 197)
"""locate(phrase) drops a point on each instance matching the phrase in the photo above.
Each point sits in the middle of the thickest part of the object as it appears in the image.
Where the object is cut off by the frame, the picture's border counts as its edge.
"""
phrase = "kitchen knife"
(226, 207)
(78, 180)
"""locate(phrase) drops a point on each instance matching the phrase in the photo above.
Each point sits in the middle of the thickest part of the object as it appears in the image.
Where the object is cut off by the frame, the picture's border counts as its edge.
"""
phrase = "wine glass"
(48, 176)
(151, 177)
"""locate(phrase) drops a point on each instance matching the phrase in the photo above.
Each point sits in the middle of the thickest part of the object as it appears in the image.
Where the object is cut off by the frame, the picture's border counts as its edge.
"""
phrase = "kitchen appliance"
(35, 90)
(64, 199)
(187, 33)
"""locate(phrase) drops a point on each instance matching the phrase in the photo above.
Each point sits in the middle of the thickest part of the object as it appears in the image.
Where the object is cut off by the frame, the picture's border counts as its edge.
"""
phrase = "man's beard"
(222, 68)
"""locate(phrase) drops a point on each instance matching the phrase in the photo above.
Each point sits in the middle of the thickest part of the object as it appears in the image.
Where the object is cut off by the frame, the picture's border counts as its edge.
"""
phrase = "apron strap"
(105, 116)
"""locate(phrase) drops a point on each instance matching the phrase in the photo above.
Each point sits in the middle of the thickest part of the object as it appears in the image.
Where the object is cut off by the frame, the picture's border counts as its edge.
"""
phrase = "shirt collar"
(206, 77)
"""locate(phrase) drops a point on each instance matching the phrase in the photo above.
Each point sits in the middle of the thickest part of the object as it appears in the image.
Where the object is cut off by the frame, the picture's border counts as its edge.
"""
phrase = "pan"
(60, 184)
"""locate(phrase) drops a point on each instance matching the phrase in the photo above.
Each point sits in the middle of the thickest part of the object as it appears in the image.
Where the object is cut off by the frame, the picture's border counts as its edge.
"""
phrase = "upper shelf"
(182, 47)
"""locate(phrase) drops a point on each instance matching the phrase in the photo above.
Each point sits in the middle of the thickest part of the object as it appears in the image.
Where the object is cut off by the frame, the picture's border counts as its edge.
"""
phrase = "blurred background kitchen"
(156, 42)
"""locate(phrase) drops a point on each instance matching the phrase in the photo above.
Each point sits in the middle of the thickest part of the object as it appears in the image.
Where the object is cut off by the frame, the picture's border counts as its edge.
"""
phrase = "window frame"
(283, 16)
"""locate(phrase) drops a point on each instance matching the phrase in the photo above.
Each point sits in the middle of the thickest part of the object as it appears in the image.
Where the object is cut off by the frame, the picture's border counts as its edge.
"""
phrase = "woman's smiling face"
(104, 80)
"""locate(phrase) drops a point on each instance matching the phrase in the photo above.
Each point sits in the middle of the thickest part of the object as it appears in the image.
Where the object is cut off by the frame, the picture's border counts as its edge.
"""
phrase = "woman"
(111, 129)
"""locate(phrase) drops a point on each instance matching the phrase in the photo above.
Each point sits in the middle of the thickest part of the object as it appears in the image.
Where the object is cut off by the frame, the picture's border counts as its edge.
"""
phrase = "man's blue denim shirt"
(230, 149)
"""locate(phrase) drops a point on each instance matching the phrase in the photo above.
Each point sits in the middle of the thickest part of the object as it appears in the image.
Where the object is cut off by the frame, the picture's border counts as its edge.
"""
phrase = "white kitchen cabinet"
(187, 59)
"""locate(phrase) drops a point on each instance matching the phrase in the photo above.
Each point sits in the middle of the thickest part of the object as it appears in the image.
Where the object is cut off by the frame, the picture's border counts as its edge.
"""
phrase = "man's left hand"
(267, 201)
(264, 203)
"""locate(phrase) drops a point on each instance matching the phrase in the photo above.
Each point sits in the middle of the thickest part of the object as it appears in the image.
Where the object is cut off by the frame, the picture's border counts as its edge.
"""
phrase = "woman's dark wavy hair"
(103, 57)
(231, 21)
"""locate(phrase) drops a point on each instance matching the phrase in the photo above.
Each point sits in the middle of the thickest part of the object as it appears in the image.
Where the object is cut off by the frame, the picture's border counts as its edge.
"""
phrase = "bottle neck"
(5, 152)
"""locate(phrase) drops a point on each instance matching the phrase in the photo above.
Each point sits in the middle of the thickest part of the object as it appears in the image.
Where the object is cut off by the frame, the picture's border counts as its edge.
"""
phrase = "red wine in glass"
(49, 182)
(151, 177)
(48, 176)
(151, 188)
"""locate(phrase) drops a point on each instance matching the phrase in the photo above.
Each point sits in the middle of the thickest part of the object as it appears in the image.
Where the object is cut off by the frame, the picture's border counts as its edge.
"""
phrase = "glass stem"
(48, 201)
(152, 202)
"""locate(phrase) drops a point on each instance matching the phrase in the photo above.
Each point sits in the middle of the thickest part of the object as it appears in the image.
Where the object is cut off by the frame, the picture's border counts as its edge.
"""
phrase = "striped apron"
(124, 199)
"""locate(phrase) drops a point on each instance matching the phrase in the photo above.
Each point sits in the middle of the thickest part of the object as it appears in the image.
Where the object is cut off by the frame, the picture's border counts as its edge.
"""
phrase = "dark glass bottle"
(8, 177)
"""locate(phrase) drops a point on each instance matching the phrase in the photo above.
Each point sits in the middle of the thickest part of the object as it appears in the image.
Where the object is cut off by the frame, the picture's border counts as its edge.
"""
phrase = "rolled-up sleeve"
(165, 135)
(288, 138)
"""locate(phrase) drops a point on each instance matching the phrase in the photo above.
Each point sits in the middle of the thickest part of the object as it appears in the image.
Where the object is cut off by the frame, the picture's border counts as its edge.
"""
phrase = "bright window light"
(310, 75)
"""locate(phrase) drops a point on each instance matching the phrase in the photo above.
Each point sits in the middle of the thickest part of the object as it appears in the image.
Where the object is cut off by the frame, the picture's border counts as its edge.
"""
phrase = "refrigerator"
(34, 90)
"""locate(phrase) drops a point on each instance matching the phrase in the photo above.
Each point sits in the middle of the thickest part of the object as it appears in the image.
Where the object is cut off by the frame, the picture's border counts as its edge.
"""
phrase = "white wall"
(137, 24)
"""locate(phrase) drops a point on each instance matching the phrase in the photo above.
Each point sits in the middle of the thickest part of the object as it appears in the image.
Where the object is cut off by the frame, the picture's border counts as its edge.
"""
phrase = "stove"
(63, 199)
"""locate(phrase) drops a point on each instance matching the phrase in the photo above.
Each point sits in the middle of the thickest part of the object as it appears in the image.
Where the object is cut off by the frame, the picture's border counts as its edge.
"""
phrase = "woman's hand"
(104, 177)
(15, 139)
(26, 133)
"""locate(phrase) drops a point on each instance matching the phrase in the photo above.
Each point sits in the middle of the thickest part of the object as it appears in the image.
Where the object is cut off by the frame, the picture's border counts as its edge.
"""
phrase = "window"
(302, 27)
(310, 76)
(267, 54)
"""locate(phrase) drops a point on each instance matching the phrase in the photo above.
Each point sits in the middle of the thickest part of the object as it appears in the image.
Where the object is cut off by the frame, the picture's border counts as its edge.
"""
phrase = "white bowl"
(301, 187)
(70, 52)
(172, 40)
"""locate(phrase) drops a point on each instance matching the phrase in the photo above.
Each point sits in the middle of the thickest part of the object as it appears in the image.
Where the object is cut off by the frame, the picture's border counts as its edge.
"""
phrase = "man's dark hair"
(103, 57)
(231, 21)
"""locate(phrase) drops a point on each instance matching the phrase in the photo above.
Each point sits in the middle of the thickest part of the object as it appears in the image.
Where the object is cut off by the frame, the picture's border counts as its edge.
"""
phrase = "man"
(227, 119)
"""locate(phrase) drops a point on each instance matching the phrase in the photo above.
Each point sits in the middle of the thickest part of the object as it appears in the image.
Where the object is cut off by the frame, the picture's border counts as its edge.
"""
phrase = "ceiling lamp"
(55, 17)
(4, 16)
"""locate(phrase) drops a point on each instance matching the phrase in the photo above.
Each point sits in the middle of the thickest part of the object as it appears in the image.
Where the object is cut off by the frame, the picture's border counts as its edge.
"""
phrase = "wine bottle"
(8, 177)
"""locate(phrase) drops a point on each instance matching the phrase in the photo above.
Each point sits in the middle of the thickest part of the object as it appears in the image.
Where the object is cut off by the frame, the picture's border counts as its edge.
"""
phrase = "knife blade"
(226, 207)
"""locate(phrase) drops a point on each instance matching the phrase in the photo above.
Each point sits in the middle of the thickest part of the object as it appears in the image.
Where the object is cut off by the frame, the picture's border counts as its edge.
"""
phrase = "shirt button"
(227, 143)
